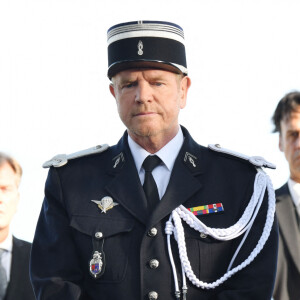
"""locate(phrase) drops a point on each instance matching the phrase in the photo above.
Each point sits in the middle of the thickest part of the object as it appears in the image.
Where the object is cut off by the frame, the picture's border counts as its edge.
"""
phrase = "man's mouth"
(145, 113)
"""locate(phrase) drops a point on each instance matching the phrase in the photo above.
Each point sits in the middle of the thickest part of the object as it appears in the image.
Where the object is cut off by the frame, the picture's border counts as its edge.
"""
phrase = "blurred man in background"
(14, 253)
(286, 119)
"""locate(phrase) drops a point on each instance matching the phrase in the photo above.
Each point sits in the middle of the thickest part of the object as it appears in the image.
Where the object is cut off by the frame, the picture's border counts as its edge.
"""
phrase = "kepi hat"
(146, 44)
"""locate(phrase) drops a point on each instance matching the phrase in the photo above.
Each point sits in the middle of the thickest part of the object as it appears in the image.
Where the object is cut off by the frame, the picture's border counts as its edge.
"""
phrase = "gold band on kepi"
(146, 44)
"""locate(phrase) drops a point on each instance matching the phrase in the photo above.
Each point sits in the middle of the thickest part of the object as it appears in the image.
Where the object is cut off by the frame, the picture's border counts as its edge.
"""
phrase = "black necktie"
(150, 188)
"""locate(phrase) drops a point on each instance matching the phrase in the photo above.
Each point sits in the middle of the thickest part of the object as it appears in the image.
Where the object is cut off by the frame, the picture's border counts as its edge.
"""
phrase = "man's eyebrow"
(157, 78)
(6, 185)
(293, 130)
(126, 80)
(132, 79)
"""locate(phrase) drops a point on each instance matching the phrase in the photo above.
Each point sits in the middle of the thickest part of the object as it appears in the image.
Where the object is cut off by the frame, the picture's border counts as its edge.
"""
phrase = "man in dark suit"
(286, 119)
(156, 216)
(15, 253)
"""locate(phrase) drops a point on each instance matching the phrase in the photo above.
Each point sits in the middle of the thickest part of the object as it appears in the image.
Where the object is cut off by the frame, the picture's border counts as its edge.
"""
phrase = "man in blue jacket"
(155, 216)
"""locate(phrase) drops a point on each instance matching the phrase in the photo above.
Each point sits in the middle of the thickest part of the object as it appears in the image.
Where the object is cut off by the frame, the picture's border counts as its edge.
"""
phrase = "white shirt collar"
(7, 243)
(167, 154)
(294, 188)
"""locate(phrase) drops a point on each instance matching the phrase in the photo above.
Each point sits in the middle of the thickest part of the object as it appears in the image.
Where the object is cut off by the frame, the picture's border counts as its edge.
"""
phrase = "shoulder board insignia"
(62, 159)
(257, 161)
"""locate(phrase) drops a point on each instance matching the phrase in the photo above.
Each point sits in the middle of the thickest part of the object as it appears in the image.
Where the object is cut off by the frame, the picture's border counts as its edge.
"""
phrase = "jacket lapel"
(125, 186)
(15, 272)
(181, 187)
(288, 224)
(183, 182)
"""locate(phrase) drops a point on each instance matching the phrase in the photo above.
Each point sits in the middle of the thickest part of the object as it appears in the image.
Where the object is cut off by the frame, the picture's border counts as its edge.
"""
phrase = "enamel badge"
(105, 204)
(207, 209)
(96, 264)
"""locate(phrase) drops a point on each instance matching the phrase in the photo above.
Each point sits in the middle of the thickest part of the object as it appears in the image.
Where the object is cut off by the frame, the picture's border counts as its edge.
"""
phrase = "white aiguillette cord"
(244, 224)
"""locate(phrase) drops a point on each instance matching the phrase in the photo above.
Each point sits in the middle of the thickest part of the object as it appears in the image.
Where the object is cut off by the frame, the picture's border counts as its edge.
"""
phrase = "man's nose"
(143, 92)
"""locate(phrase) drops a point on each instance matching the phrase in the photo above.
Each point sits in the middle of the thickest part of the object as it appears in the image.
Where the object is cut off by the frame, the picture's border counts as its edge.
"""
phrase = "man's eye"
(294, 134)
(157, 83)
(129, 85)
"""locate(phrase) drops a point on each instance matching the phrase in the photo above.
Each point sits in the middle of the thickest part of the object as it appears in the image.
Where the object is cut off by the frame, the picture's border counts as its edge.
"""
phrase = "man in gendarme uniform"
(156, 216)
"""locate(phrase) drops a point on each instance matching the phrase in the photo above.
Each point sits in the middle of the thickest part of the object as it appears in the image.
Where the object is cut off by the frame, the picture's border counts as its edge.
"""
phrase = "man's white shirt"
(294, 188)
(167, 154)
(7, 245)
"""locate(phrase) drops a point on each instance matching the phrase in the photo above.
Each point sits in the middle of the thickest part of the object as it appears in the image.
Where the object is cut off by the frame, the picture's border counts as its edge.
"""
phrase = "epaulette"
(62, 159)
(257, 161)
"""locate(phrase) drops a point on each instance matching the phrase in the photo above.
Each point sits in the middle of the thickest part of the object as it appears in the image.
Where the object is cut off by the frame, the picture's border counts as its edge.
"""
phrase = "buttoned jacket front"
(65, 237)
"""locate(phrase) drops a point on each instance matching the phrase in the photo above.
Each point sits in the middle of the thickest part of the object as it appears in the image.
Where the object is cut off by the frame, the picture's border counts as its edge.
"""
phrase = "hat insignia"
(105, 204)
(140, 47)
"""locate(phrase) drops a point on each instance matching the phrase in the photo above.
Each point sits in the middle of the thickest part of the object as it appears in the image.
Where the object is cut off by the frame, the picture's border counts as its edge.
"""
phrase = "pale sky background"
(243, 56)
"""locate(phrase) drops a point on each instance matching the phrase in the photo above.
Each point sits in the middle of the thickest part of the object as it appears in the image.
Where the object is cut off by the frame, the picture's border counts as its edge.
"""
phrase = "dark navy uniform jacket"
(65, 236)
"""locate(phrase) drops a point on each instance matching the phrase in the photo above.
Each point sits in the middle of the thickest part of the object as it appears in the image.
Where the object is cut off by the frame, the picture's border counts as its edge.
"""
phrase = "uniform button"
(153, 263)
(153, 295)
(152, 232)
(98, 235)
(203, 235)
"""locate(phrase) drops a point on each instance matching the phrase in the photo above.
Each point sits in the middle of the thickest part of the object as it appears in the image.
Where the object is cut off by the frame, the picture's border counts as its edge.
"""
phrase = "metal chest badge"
(96, 264)
(105, 204)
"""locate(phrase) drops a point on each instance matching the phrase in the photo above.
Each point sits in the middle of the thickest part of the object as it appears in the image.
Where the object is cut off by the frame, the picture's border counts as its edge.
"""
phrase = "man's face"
(149, 101)
(9, 195)
(289, 143)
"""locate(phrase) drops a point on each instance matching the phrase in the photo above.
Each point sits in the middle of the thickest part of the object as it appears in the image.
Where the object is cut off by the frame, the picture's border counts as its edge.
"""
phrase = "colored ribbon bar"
(207, 209)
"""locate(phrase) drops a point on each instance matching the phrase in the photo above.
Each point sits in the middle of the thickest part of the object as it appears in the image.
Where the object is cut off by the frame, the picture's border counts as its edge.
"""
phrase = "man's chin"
(144, 132)
(3, 225)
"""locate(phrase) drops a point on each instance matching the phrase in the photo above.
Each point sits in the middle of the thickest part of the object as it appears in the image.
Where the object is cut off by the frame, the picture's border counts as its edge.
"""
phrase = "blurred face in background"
(289, 142)
(9, 195)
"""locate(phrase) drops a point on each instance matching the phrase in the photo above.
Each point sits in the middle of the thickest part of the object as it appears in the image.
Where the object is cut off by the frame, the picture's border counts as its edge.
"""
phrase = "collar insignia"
(191, 159)
(206, 209)
(105, 204)
(118, 160)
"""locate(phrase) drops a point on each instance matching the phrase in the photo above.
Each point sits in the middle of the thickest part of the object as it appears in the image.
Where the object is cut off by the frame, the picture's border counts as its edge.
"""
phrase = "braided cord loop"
(243, 225)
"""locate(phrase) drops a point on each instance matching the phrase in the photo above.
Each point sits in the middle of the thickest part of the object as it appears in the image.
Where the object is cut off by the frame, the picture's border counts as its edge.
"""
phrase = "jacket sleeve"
(54, 267)
(255, 281)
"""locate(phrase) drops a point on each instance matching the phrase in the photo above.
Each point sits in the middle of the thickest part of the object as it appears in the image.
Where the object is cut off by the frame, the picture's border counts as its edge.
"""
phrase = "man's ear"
(112, 90)
(184, 86)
